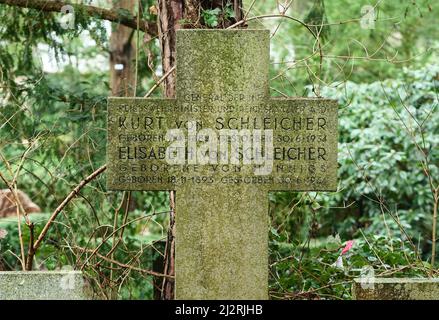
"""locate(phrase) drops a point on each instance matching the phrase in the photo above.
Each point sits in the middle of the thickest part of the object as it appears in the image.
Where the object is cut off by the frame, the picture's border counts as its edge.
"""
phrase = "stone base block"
(42, 285)
(395, 289)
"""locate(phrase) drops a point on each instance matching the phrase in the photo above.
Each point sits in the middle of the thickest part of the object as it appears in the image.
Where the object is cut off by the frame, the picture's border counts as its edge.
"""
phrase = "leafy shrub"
(384, 200)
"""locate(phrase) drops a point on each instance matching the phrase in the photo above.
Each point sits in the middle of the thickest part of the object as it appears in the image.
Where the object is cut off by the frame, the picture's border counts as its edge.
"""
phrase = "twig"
(97, 12)
(18, 206)
(122, 265)
(373, 249)
(159, 82)
(433, 240)
(249, 9)
(61, 207)
(115, 231)
(31, 249)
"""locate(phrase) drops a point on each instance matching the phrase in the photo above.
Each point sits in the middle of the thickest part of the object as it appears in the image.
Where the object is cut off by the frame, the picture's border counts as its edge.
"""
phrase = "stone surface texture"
(41, 285)
(396, 289)
(221, 213)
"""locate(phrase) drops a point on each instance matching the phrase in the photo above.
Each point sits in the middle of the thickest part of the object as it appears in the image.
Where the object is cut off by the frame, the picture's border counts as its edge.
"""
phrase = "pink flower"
(347, 247)
(3, 234)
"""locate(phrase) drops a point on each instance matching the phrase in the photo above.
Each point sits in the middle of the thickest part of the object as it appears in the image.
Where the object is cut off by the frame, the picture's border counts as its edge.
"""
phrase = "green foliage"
(61, 117)
(229, 13)
(404, 35)
(308, 270)
(382, 149)
(214, 17)
(211, 16)
(384, 193)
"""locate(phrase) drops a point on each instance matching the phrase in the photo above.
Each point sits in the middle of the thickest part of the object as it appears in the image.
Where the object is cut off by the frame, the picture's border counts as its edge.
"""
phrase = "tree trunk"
(96, 12)
(122, 75)
(122, 81)
(122, 78)
(170, 12)
(173, 15)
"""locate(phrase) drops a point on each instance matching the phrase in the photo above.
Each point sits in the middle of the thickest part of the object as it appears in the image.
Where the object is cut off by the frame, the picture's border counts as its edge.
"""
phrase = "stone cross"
(222, 144)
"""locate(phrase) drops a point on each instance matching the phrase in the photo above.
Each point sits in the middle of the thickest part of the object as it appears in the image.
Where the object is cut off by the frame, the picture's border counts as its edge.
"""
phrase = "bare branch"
(97, 12)
(63, 204)
(127, 266)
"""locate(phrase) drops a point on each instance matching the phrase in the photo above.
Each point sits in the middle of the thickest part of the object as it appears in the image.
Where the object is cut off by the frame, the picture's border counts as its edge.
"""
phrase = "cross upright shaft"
(222, 204)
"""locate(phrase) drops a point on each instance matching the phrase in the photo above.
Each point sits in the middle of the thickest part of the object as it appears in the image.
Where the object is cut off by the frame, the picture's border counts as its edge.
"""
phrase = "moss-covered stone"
(222, 84)
(42, 285)
(221, 209)
(396, 289)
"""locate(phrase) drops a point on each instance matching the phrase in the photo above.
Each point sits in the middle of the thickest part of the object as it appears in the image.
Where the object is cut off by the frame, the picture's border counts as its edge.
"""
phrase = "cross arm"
(136, 143)
(305, 144)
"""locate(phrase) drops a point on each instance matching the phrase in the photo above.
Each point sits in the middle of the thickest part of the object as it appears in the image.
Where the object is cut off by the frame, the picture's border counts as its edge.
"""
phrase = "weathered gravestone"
(222, 144)
(42, 285)
(395, 289)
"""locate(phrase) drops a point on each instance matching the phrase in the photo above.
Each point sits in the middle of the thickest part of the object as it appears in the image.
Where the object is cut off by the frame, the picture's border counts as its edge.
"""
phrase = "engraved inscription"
(288, 144)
